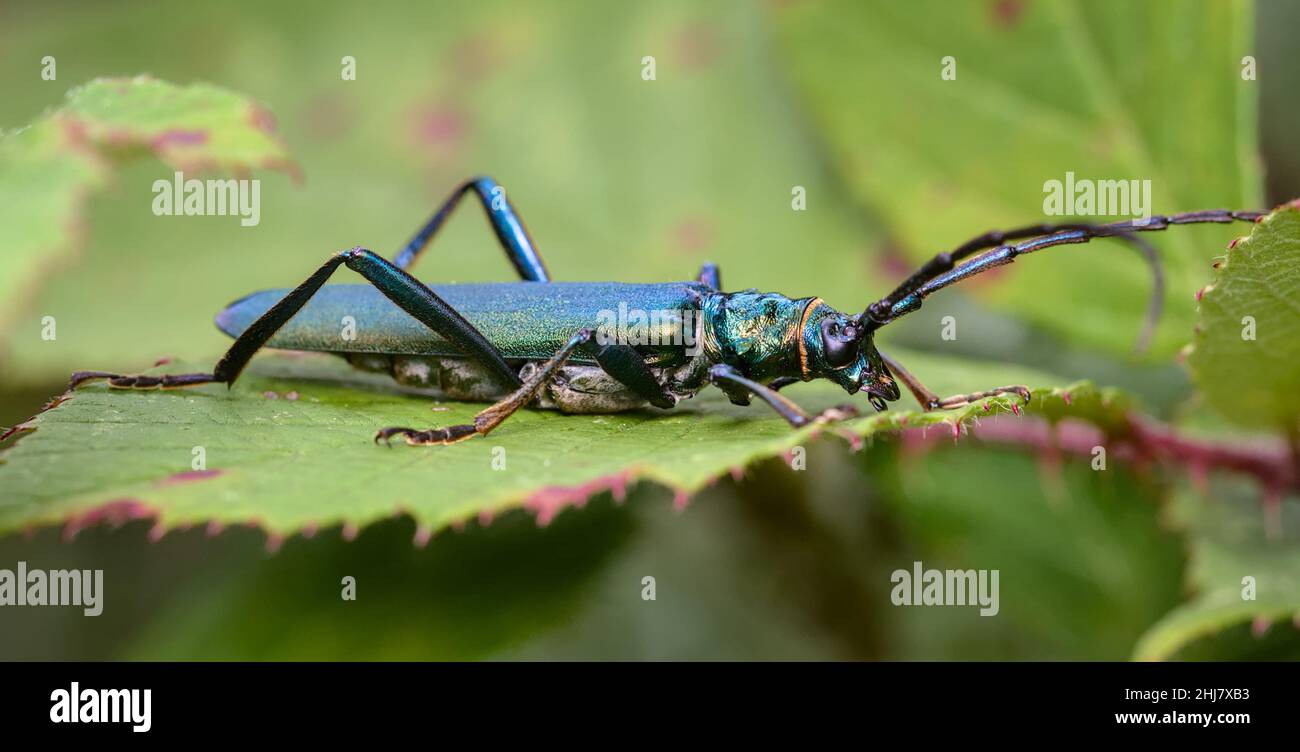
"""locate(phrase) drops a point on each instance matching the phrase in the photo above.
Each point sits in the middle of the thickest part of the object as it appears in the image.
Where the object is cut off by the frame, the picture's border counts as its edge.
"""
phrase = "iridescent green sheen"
(757, 332)
(525, 320)
(766, 336)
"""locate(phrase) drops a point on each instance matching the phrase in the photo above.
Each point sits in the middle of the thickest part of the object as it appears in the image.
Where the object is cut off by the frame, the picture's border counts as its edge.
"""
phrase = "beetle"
(551, 344)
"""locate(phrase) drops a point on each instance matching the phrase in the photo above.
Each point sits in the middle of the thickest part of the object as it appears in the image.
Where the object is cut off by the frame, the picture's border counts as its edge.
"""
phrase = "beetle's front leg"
(931, 401)
(738, 388)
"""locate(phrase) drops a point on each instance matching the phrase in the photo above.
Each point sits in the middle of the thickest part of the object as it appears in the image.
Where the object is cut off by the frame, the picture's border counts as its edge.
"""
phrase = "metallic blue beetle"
(597, 347)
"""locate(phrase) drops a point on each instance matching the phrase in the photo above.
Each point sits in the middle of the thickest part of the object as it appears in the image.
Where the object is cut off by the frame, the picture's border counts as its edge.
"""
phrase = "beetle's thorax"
(760, 333)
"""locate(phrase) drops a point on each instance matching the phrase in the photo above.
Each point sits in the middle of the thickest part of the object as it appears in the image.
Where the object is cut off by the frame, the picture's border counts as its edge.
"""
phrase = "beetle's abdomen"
(576, 389)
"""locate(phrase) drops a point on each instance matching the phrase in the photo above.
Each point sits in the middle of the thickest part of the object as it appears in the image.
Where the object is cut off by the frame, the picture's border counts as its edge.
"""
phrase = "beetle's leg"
(710, 275)
(509, 229)
(931, 401)
(942, 270)
(620, 361)
(121, 381)
(406, 291)
(782, 382)
(738, 389)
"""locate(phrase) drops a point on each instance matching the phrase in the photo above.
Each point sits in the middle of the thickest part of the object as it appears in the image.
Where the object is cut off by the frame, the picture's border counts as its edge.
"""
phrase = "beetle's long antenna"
(1157, 303)
(942, 270)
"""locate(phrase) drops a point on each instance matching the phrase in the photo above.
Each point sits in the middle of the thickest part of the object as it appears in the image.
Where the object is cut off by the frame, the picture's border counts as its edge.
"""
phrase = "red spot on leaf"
(440, 128)
(174, 137)
(694, 235)
(261, 119)
(1006, 13)
(189, 476)
(115, 513)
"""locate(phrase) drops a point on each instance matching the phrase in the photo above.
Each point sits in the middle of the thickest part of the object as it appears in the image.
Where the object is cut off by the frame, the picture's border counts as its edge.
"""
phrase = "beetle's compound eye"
(840, 342)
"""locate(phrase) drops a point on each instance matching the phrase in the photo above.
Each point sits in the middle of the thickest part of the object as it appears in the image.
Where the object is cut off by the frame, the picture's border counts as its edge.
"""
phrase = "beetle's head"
(837, 347)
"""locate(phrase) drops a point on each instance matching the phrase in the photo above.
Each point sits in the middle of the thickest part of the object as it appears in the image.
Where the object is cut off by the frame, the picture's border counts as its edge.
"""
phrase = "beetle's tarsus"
(121, 381)
(962, 400)
(430, 437)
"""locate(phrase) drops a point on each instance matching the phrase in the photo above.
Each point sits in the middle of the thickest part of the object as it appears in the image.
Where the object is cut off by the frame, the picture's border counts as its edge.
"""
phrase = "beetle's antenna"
(942, 270)
(1157, 304)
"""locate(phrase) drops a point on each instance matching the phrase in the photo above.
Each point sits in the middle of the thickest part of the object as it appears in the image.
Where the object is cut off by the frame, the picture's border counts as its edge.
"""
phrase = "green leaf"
(48, 169)
(1041, 89)
(1085, 567)
(1246, 355)
(290, 448)
(1232, 536)
(470, 595)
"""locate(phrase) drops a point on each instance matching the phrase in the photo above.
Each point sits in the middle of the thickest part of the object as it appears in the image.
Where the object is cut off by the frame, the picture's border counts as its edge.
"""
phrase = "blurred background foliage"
(627, 179)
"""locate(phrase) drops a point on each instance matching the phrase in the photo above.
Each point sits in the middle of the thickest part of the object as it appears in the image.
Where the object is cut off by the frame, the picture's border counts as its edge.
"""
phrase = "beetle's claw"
(387, 434)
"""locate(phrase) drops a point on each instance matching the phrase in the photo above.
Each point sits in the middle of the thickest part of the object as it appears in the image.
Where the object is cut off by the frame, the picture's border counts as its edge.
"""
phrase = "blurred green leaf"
(1246, 356)
(48, 169)
(470, 595)
(290, 464)
(1084, 567)
(1228, 529)
(1041, 89)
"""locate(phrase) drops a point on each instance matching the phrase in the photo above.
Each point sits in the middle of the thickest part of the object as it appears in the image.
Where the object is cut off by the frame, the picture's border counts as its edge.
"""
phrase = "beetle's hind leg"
(931, 401)
(407, 292)
(621, 361)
